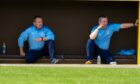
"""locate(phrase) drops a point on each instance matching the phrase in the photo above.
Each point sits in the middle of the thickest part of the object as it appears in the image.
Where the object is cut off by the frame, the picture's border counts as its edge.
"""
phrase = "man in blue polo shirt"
(99, 39)
(40, 39)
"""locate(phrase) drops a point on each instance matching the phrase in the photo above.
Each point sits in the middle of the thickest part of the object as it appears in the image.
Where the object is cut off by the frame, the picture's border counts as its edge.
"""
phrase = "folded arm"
(94, 34)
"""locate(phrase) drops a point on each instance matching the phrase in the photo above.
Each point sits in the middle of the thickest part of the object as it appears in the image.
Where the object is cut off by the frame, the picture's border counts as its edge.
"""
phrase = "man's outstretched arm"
(128, 25)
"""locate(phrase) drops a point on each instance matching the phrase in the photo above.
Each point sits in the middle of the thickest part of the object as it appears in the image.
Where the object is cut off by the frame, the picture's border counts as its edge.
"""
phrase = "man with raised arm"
(99, 39)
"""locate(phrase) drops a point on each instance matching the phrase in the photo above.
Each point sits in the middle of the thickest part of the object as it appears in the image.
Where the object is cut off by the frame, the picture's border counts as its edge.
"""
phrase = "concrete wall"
(70, 21)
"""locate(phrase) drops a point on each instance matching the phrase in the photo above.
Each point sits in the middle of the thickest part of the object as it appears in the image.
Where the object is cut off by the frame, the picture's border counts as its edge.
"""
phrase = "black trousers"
(93, 50)
(33, 55)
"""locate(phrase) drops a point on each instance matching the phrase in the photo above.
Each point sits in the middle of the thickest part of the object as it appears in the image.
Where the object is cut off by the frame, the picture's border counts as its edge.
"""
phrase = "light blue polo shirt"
(31, 33)
(104, 35)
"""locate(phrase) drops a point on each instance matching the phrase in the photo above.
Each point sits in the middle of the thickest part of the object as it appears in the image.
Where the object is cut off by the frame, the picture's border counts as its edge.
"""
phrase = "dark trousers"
(48, 49)
(93, 51)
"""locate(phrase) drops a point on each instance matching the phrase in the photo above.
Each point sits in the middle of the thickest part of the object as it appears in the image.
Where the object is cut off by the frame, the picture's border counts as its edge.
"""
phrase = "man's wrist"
(42, 39)
(98, 28)
(133, 24)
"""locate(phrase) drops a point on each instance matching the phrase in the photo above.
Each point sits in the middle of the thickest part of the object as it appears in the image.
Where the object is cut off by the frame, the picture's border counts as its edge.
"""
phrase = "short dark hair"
(35, 17)
(102, 16)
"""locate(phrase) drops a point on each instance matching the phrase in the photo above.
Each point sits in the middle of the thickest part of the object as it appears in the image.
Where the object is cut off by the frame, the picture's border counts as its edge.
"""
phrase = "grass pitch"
(68, 75)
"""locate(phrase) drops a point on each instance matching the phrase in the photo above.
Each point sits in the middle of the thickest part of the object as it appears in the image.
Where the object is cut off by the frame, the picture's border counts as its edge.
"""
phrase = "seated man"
(40, 39)
(99, 39)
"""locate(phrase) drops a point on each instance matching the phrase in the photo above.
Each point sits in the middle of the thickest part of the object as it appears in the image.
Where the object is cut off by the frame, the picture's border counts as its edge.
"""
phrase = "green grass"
(58, 75)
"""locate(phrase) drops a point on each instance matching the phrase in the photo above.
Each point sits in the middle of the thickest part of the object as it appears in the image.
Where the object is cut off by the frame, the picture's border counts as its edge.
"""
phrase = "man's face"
(103, 22)
(38, 22)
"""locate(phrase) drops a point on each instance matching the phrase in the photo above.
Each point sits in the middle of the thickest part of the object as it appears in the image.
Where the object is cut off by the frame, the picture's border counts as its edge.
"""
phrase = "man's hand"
(94, 34)
(22, 54)
(38, 39)
(136, 23)
(100, 26)
(21, 51)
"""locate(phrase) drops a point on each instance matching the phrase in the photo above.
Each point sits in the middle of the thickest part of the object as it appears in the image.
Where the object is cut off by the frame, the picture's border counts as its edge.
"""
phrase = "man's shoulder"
(94, 27)
(46, 27)
(112, 24)
(30, 28)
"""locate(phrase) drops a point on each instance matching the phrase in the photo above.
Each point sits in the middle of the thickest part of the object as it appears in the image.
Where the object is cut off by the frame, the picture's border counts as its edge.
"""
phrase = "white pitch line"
(72, 65)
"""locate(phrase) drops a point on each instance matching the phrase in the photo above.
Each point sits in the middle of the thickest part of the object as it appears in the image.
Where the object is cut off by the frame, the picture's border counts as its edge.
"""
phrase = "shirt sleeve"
(49, 34)
(115, 27)
(22, 38)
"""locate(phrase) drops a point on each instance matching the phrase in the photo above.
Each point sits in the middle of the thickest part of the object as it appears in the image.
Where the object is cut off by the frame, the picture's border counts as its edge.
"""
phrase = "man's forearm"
(127, 25)
(21, 49)
(94, 34)
(22, 53)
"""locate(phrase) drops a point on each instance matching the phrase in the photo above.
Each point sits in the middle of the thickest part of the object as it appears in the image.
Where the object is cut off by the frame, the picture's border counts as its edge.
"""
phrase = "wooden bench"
(65, 59)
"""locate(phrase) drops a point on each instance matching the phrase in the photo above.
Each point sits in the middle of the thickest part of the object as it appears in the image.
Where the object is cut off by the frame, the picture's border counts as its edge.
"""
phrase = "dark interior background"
(71, 22)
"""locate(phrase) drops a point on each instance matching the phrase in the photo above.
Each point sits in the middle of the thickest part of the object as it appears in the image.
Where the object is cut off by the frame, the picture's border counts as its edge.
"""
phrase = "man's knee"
(107, 56)
(90, 41)
(51, 44)
(51, 41)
